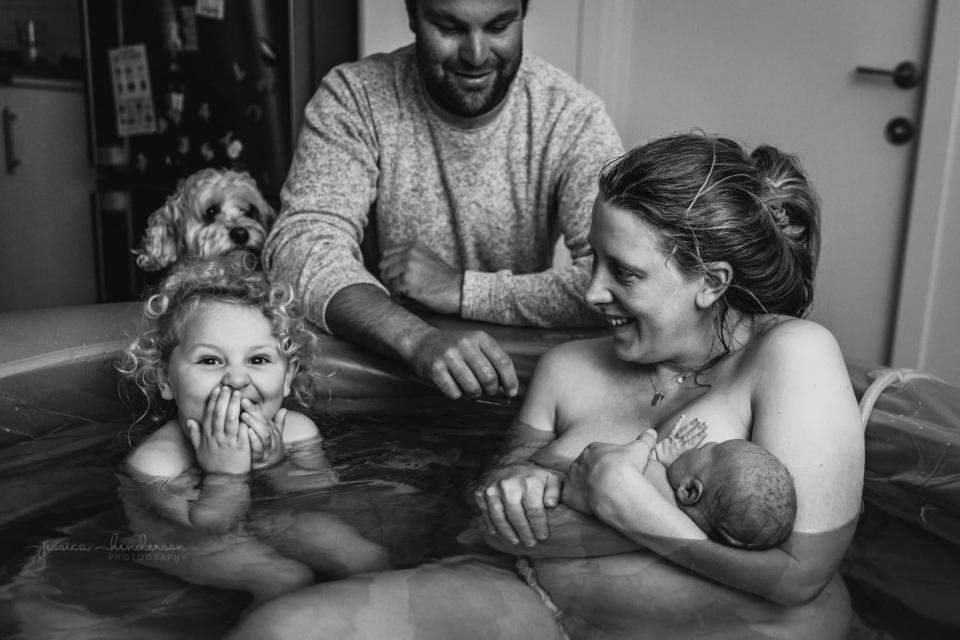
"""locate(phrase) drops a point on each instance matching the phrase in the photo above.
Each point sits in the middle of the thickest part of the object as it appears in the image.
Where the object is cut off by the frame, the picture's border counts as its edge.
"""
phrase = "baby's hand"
(266, 435)
(682, 438)
(221, 443)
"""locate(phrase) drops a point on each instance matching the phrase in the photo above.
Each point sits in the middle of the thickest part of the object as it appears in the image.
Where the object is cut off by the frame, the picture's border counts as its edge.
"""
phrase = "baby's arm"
(680, 439)
(575, 533)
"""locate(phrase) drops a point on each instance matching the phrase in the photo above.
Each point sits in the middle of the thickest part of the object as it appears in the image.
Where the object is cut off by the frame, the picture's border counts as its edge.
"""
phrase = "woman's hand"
(266, 435)
(607, 479)
(513, 500)
(222, 442)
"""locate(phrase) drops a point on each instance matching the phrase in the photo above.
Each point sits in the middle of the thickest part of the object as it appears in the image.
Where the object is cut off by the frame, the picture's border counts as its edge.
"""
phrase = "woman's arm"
(804, 412)
(515, 496)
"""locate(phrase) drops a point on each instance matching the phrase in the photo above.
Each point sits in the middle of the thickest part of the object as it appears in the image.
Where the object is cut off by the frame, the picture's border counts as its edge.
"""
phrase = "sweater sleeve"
(326, 199)
(554, 297)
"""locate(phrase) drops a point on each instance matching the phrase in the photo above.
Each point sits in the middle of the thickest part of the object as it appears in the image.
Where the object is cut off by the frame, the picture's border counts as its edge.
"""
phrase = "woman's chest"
(626, 410)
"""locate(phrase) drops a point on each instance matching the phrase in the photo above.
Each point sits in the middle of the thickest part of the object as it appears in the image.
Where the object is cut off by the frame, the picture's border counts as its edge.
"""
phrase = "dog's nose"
(239, 235)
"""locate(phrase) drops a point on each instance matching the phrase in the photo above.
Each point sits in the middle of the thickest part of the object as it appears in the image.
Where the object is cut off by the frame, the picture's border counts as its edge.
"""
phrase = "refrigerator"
(173, 86)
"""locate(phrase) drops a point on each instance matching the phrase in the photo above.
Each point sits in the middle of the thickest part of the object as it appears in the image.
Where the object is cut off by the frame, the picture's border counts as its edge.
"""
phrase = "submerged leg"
(464, 598)
(249, 566)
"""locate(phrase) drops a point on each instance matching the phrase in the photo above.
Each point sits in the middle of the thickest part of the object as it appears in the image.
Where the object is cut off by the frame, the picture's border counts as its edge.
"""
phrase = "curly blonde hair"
(234, 278)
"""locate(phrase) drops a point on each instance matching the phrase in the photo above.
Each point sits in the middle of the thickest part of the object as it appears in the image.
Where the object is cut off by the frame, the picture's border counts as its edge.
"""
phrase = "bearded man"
(461, 161)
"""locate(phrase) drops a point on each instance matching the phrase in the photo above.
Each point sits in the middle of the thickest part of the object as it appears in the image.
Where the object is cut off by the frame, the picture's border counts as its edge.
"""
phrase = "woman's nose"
(474, 49)
(596, 292)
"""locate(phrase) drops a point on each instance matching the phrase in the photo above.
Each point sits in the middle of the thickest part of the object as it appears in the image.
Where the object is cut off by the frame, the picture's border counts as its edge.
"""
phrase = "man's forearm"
(365, 315)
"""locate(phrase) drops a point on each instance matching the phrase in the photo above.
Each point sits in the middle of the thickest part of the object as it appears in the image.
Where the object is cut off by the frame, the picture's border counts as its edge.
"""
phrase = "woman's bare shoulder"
(782, 336)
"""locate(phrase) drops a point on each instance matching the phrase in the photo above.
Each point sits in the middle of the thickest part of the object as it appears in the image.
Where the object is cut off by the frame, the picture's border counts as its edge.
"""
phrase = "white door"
(783, 72)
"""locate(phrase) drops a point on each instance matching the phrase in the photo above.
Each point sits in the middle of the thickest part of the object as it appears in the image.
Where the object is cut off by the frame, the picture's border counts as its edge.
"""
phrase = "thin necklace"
(659, 395)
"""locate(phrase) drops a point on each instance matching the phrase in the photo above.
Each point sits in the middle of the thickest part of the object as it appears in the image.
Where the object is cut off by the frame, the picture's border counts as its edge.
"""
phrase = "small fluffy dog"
(211, 213)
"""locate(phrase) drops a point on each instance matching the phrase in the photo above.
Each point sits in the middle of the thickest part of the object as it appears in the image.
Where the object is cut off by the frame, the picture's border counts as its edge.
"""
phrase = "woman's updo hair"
(711, 201)
(233, 279)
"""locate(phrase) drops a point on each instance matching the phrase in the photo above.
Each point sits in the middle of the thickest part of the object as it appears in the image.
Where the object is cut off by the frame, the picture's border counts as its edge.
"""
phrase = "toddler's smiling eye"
(208, 360)
(260, 360)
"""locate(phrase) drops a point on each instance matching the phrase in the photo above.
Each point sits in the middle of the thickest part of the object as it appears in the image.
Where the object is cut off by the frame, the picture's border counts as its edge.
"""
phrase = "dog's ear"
(163, 237)
(267, 213)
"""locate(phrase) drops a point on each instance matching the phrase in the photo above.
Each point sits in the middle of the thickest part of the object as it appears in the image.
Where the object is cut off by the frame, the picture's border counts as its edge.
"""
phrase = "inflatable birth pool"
(63, 431)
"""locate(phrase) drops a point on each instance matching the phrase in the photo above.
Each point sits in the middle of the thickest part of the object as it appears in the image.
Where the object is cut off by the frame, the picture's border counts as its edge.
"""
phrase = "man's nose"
(474, 49)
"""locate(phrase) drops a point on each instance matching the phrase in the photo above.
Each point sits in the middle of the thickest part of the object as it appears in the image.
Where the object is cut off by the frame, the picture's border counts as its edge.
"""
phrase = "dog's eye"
(211, 212)
(252, 212)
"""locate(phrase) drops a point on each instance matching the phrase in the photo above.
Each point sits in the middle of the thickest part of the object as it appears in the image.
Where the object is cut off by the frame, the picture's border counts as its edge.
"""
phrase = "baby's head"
(737, 492)
(197, 295)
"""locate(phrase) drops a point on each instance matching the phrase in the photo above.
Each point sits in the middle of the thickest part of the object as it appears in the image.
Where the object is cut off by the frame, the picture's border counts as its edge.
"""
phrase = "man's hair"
(412, 8)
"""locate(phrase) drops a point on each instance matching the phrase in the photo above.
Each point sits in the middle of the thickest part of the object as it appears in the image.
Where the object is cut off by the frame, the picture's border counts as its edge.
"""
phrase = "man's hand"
(414, 271)
(464, 363)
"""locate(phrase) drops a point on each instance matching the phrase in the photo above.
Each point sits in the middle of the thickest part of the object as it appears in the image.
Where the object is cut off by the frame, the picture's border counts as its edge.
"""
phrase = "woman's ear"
(718, 277)
(293, 368)
(689, 491)
(163, 381)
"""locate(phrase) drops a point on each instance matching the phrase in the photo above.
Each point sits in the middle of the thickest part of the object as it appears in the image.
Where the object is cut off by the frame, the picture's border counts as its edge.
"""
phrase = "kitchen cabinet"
(47, 255)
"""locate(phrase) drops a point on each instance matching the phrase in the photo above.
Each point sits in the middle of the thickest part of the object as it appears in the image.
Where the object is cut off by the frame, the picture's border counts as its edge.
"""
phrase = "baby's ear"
(689, 491)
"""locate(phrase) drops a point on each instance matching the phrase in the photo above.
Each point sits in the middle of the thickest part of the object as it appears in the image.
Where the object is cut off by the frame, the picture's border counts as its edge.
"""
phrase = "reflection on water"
(113, 568)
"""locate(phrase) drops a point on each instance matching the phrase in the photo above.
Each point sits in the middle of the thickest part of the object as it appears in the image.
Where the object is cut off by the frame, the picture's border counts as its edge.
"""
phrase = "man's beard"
(443, 90)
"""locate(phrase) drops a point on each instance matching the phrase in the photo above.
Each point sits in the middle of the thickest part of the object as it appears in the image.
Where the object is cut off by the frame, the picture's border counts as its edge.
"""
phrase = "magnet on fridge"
(206, 150)
(183, 145)
(142, 163)
(203, 111)
(234, 149)
(267, 52)
(210, 9)
(254, 113)
(239, 73)
(265, 85)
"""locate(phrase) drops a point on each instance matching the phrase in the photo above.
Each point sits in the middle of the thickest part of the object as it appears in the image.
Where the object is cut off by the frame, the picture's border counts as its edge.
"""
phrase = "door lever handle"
(905, 75)
(12, 161)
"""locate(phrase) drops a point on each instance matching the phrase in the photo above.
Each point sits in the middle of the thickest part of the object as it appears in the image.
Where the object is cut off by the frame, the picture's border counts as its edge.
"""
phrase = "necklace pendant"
(656, 399)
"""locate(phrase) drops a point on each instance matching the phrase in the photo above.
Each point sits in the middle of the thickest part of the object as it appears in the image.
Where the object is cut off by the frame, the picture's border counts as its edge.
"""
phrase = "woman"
(704, 262)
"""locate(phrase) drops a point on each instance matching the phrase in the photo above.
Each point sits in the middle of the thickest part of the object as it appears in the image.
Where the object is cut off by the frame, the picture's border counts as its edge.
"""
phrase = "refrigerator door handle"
(11, 157)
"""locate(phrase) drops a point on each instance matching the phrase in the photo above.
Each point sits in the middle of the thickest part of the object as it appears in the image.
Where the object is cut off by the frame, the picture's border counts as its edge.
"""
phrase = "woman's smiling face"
(640, 290)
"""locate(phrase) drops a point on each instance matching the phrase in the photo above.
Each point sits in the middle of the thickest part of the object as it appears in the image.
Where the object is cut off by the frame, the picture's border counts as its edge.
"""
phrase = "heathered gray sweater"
(491, 201)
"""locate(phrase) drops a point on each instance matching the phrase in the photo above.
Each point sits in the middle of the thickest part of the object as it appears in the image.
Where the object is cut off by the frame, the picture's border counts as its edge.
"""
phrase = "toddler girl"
(220, 350)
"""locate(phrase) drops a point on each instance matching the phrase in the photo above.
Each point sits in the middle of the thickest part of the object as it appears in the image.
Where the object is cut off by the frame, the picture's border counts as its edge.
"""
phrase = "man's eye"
(447, 28)
(498, 27)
